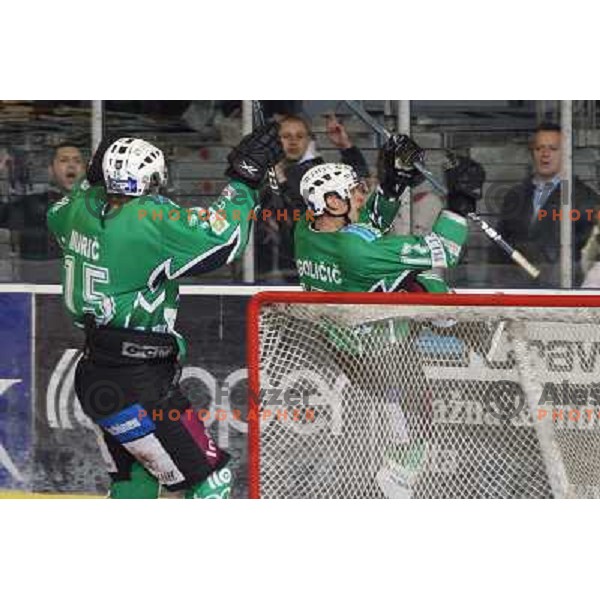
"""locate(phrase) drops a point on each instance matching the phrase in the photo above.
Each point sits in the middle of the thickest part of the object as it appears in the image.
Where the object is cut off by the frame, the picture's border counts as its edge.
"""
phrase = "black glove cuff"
(393, 189)
(251, 181)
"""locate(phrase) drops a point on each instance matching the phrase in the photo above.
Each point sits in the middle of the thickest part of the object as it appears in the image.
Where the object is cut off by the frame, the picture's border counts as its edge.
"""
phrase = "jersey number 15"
(92, 300)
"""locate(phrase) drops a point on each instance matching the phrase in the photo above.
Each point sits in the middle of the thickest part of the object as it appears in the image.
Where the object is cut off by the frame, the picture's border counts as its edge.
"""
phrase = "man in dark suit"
(530, 218)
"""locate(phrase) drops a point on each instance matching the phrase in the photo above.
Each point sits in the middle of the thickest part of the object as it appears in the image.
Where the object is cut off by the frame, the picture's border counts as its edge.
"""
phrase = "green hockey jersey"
(361, 258)
(123, 267)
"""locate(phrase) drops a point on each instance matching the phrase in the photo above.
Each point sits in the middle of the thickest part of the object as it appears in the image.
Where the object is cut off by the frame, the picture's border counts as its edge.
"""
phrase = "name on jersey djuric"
(84, 246)
(319, 271)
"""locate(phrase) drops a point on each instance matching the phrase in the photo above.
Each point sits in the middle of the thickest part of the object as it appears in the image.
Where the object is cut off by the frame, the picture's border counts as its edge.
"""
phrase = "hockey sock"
(404, 464)
(140, 485)
(216, 486)
(411, 456)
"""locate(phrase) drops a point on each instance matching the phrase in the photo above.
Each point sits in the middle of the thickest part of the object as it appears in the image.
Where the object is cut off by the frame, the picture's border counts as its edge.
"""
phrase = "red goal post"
(400, 358)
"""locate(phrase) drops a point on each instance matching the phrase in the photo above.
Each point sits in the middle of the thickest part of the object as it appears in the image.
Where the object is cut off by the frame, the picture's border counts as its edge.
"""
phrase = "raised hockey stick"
(259, 119)
(491, 233)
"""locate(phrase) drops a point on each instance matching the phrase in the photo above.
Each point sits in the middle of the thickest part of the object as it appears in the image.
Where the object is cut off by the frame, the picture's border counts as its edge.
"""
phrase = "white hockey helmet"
(325, 179)
(133, 167)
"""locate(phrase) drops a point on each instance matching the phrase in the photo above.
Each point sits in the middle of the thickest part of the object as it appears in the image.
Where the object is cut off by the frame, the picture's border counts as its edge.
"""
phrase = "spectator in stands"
(274, 237)
(27, 218)
(529, 223)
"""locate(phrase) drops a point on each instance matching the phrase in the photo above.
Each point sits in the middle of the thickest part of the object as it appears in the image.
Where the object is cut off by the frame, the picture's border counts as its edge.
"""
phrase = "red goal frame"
(395, 298)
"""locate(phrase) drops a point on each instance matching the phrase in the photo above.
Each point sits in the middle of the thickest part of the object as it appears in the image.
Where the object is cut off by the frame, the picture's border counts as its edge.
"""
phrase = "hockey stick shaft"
(259, 115)
(366, 118)
(487, 229)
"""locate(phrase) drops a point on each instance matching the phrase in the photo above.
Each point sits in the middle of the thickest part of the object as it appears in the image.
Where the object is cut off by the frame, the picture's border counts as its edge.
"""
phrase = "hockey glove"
(252, 157)
(395, 168)
(464, 179)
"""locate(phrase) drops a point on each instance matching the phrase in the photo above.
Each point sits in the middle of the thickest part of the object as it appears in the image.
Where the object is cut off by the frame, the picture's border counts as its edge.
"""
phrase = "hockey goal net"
(423, 396)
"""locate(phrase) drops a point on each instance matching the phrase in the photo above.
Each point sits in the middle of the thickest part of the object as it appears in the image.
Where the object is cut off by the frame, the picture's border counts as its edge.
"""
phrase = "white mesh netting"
(429, 402)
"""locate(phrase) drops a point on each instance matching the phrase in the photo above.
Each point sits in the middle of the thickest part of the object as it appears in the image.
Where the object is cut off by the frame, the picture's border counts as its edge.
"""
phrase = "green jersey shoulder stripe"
(362, 231)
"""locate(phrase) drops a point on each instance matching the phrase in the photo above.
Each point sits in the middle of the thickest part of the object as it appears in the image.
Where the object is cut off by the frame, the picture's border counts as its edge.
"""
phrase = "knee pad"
(217, 486)
(140, 485)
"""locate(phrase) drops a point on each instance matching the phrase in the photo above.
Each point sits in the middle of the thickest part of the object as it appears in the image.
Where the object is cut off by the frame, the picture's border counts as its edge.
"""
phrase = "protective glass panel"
(44, 146)
(520, 196)
(586, 199)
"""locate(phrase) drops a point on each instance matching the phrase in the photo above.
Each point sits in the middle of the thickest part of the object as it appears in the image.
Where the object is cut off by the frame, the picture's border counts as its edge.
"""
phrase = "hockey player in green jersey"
(124, 246)
(347, 247)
